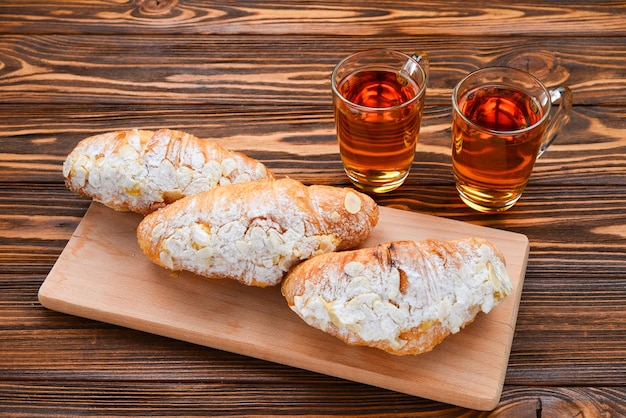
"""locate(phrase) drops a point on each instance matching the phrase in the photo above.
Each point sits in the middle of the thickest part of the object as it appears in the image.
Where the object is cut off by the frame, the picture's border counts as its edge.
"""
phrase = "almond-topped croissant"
(403, 297)
(141, 170)
(254, 232)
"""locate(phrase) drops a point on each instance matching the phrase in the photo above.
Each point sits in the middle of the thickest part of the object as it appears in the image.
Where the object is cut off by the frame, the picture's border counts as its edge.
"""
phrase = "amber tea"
(498, 131)
(496, 168)
(378, 111)
(378, 146)
(500, 108)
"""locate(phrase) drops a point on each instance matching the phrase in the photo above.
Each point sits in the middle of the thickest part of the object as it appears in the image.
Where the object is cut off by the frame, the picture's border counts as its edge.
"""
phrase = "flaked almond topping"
(352, 203)
(228, 166)
(260, 170)
(171, 196)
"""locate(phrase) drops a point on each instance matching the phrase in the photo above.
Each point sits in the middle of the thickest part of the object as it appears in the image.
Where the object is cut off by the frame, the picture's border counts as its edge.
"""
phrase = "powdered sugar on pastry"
(141, 171)
(403, 297)
(254, 232)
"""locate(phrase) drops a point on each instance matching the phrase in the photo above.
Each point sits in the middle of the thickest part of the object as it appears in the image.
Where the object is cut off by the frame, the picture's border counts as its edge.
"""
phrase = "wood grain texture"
(254, 76)
(440, 18)
(299, 141)
(318, 397)
(275, 70)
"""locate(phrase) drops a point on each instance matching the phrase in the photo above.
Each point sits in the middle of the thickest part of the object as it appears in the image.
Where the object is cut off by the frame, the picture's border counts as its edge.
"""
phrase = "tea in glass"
(378, 102)
(500, 126)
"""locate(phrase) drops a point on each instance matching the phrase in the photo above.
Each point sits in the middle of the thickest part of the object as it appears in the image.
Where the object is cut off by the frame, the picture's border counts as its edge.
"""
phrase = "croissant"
(402, 297)
(141, 171)
(254, 232)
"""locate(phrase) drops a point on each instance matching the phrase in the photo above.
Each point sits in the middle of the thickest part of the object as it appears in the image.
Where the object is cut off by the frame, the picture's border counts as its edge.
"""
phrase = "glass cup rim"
(419, 94)
(474, 125)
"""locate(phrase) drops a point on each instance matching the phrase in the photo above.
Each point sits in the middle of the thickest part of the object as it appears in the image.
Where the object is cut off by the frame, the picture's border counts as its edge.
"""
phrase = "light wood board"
(103, 275)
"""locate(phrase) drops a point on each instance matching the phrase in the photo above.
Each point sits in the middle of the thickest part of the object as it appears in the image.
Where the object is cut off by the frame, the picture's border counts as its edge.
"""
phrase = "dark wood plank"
(432, 18)
(292, 395)
(298, 141)
(295, 71)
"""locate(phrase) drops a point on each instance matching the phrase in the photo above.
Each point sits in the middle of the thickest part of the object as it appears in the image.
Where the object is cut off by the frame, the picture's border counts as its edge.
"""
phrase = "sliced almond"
(352, 203)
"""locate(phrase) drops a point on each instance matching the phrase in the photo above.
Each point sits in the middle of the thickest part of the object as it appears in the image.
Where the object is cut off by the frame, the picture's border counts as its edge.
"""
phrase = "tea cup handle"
(564, 96)
(422, 59)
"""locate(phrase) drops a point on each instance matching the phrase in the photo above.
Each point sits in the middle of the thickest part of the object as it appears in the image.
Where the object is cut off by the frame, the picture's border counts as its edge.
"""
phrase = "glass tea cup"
(502, 121)
(378, 98)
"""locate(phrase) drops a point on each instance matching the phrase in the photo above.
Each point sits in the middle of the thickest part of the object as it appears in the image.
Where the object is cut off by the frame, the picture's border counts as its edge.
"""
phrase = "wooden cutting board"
(103, 275)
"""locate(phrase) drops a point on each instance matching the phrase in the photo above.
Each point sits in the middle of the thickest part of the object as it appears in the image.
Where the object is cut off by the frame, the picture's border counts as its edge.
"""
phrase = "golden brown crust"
(254, 232)
(142, 170)
(403, 297)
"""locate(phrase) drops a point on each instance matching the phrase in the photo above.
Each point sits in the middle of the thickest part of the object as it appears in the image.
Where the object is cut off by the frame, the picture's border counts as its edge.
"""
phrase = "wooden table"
(255, 77)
